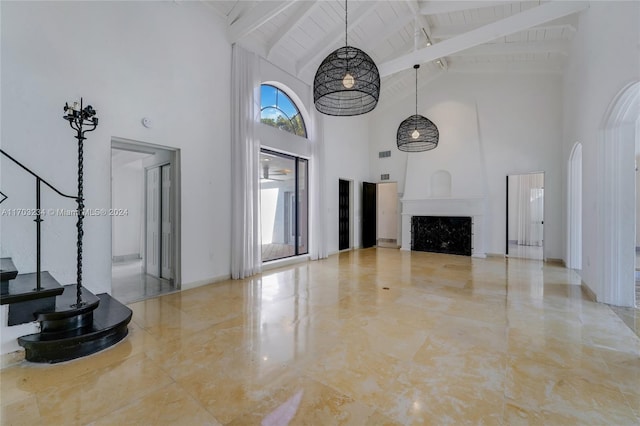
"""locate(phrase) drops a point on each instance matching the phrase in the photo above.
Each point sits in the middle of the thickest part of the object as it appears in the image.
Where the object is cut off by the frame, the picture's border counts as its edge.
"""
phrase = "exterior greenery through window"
(278, 110)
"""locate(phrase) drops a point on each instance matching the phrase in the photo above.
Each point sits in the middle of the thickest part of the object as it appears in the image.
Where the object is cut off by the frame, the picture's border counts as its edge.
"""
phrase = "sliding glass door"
(283, 205)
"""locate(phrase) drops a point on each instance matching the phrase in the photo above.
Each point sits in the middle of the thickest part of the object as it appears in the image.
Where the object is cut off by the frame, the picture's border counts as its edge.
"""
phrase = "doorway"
(387, 213)
(369, 221)
(284, 205)
(158, 222)
(344, 214)
(525, 216)
(145, 225)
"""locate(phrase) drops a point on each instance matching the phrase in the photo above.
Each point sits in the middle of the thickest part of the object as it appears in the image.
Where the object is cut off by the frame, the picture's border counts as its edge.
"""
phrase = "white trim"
(574, 208)
(616, 199)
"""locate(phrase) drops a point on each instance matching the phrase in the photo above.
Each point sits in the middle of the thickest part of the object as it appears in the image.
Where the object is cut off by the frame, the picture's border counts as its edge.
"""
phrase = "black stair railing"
(38, 220)
(78, 116)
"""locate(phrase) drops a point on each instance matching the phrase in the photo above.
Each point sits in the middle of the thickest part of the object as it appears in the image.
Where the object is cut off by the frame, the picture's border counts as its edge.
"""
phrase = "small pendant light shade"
(347, 82)
(417, 133)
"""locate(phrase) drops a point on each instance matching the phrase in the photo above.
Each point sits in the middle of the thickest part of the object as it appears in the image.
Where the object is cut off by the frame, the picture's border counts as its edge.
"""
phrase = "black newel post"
(79, 116)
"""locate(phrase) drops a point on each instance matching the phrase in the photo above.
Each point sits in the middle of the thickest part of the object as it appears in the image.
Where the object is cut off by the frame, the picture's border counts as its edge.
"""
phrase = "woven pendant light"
(347, 81)
(417, 133)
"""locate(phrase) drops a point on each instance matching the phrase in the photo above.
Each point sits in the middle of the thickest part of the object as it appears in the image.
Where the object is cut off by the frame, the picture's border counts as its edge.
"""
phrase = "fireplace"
(441, 234)
(469, 209)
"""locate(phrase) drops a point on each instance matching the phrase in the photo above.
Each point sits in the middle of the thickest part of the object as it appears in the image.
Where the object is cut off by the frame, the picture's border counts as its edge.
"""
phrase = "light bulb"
(348, 81)
(415, 134)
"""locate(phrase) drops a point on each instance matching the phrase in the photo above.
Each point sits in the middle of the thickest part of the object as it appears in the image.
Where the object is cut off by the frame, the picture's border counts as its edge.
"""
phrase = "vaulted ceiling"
(443, 36)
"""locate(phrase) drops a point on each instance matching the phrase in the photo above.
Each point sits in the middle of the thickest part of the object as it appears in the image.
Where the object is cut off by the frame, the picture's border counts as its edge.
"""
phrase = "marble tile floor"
(365, 337)
(129, 283)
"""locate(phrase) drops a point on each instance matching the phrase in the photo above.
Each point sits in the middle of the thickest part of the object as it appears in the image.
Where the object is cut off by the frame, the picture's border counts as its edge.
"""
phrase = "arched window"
(278, 110)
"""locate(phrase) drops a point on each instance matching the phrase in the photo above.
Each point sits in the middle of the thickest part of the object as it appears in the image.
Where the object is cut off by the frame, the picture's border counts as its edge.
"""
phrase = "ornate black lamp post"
(79, 116)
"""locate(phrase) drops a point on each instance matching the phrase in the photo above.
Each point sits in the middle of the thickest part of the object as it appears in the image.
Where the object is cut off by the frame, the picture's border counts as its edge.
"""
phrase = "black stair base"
(110, 321)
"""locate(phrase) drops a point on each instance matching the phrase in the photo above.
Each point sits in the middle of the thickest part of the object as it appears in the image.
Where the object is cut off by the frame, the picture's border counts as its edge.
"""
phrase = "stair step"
(109, 326)
(8, 270)
(23, 288)
(66, 315)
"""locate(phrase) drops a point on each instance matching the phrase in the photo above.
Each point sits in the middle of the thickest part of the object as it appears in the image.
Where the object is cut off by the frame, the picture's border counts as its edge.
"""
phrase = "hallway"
(375, 336)
(130, 284)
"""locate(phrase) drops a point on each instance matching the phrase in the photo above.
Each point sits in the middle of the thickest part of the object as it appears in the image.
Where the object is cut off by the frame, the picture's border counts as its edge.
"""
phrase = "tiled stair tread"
(22, 288)
(110, 321)
(64, 304)
(8, 270)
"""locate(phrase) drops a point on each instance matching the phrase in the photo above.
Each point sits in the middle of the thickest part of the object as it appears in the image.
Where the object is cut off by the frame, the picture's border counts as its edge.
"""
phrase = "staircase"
(67, 331)
(73, 321)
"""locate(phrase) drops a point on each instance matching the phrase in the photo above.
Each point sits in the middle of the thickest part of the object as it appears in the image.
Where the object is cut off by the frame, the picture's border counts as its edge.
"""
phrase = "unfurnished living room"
(320, 212)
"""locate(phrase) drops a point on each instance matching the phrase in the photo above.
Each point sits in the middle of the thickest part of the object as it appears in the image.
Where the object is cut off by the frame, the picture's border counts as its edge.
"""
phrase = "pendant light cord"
(346, 15)
(416, 91)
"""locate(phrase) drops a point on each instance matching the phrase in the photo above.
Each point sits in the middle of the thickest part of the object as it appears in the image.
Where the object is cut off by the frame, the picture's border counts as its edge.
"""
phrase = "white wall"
(604, 57)
(490, 126)
(347, 157)
(346, 149)
(168, 61)
(637, 201)
(127, 191)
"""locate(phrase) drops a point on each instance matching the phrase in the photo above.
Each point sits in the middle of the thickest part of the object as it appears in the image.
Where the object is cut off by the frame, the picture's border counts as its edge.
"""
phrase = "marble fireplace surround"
(473, 207)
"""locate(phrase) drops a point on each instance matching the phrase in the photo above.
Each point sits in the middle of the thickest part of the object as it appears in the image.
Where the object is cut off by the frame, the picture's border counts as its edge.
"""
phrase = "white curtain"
(530, 196)
(246, 259)
(317, 208)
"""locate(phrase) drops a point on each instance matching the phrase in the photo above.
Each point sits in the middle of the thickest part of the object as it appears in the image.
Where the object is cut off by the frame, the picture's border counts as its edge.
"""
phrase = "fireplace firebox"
(442, 234)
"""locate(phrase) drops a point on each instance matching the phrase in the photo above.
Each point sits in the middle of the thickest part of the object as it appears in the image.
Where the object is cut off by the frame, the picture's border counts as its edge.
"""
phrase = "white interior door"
(166, 248)
(152, 252)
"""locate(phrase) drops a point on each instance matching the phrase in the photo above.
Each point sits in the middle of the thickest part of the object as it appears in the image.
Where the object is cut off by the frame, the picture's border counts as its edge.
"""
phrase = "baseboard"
(12, 358)
(555, 261)
(200, 283)
(126, 258)
(589, 294)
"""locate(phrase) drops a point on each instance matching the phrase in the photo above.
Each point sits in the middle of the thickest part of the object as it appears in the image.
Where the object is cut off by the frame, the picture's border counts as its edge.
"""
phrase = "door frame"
(544, 228)
(176, 172)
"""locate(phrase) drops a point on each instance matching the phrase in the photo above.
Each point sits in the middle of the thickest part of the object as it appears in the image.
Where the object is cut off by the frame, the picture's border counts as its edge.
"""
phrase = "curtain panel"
(246, 258)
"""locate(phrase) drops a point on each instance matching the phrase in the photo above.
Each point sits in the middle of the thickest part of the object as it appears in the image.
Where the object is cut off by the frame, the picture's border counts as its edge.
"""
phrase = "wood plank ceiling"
(443, 36)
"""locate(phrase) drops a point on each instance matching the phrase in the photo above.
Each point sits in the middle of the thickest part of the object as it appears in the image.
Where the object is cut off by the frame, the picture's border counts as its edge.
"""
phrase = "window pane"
(267, 95)
(303, 206)
(286, 105)
(278, 110)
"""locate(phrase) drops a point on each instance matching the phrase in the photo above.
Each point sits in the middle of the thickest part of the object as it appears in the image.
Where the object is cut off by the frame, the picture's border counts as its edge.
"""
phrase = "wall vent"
(384, 176)
(384, 154)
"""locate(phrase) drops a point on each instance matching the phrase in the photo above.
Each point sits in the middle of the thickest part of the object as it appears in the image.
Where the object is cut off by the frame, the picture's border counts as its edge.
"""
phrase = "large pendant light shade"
(347, 82)
(417, 133)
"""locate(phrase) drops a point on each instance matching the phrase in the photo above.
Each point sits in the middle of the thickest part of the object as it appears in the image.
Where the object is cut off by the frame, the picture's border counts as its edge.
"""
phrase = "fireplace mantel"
(473, 207)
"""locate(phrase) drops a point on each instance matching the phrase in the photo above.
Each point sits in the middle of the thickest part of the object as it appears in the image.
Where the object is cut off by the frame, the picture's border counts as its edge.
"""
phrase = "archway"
(574, 217)
(616, 198)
